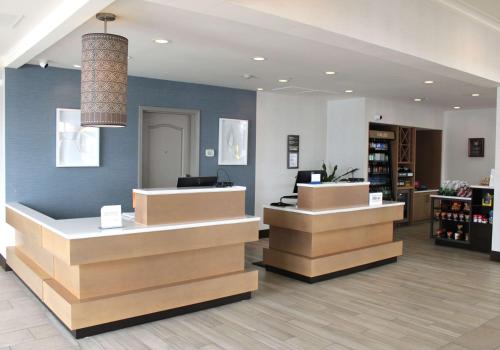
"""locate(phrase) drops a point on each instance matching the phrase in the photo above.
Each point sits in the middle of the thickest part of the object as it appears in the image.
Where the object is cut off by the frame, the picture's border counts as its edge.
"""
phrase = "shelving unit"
(451, 215)
(379, 163)
(406, 159)
(476, 235)
(414, 154)
(482, 232)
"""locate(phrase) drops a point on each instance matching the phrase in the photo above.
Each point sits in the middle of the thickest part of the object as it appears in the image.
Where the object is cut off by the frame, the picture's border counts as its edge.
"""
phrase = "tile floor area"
(433, 298)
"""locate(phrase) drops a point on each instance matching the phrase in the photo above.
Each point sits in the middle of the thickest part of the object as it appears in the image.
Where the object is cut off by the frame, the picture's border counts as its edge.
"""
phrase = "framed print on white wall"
(233, 141)
(76, 146)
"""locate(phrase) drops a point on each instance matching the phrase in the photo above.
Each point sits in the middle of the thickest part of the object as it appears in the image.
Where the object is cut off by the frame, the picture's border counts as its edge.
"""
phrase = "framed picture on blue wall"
(233, 141)
(76, 146)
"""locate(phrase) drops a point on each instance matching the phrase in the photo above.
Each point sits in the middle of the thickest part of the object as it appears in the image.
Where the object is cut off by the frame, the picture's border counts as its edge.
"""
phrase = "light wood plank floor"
(433, 298)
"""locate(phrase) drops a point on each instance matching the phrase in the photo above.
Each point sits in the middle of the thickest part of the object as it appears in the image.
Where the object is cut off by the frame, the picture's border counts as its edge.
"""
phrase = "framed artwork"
(233, 141)
(476, 147)
(76, 146)
(292, 145)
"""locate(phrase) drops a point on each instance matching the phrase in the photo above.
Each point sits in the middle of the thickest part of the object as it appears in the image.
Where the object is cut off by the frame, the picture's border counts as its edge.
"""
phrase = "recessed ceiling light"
(418, 99)
(348, 91)
(330, 72)
(77, 66)
(475, 94)
(248, 76)
(457, 107)
(259, 58)
(161, 41)
(260, 89)
(283, 80)
(129, 57)
(429, 82)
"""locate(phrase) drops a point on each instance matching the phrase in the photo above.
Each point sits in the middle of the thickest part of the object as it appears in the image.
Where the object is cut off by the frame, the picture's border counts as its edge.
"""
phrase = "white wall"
(405, 113)
(278, 116)
(459, 127)
(347, 135)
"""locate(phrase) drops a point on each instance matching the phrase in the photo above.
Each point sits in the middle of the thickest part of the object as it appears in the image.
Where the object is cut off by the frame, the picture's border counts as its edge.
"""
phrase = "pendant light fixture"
(104, 77)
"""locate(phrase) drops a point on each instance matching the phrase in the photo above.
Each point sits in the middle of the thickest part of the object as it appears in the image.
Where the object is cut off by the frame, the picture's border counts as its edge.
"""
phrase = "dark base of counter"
(134, 321)
(263, 233)
(3, 264)
(328, 275)
(494, 256)
(156, 316)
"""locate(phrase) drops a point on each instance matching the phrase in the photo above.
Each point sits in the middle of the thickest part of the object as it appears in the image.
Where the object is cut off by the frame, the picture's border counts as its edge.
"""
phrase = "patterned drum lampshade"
(104, 80)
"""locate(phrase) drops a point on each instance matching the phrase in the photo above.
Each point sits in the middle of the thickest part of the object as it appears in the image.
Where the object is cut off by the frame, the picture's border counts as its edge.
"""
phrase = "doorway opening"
(169, 143)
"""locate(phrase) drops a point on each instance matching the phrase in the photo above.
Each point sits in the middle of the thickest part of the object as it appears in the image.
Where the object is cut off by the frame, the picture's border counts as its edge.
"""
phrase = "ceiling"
(218, 51)
(489, 9)
(18, 18)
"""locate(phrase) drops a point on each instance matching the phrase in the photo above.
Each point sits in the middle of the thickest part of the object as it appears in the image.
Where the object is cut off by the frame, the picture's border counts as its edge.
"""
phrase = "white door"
(165, 148)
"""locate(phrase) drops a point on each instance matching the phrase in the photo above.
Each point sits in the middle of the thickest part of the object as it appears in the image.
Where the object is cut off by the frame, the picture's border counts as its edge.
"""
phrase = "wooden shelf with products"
(379, 163)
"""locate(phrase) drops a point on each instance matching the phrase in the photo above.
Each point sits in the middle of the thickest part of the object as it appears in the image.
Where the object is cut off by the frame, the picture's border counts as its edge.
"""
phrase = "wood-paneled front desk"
(332, 231)
(185, 253)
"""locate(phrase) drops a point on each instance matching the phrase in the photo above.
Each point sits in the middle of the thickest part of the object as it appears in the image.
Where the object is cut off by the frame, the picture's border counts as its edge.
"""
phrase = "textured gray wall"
(32, 96)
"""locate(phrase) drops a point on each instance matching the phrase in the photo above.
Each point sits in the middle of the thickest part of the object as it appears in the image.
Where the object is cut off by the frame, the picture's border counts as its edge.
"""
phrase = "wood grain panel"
(56, 245)
(354, 258)
(329, 242)
(27, 270)
(91, 250)
(23, 224)
(175, 208)
(119, 276)
(332, 197)
(327, 222)
(31, 245)
(85, 313)
(312, 267)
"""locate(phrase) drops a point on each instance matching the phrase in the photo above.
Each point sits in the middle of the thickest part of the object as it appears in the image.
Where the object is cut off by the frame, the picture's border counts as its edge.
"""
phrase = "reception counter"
(97, 280)
(331, 232)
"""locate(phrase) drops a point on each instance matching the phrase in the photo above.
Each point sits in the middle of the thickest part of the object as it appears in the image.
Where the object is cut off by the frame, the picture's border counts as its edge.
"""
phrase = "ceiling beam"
(65, 18)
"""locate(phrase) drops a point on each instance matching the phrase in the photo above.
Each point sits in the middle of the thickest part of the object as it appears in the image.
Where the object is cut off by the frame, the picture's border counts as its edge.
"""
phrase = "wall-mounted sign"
(292, 152)
(476, 147)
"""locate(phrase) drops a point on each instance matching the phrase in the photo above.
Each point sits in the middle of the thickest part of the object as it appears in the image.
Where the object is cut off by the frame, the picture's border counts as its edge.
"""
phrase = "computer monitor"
(200, 181)
(304, 177)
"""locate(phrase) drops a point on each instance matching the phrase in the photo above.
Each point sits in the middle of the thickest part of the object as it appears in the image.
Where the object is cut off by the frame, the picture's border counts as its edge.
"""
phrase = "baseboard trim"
(328, 275)
(263, 234)
(495, 256)
(3, 264)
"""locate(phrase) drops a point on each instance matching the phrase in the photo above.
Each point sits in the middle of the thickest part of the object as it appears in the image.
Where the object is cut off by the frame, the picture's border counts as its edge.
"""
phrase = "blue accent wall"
(31, 98)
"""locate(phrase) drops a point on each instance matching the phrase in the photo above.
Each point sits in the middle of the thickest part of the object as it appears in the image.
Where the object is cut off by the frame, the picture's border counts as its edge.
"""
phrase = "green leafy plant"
(331, 177)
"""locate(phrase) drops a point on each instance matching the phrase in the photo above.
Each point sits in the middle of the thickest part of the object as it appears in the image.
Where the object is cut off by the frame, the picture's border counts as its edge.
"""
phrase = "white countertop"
(335, 184)
(483, 187)
(425, 191)
(467, 199)
(89, 227)
(294, 209)
(180, 190)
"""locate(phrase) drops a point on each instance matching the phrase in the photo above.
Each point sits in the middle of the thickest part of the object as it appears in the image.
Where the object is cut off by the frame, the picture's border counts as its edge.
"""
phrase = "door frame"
(194, 117)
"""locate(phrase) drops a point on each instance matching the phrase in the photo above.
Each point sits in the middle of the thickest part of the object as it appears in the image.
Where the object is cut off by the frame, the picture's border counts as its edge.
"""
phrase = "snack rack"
(451, 220)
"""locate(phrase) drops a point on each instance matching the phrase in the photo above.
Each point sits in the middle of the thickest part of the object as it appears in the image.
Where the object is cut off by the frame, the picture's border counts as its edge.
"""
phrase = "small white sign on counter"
(315, 178)
(111, 216)
(376, 198)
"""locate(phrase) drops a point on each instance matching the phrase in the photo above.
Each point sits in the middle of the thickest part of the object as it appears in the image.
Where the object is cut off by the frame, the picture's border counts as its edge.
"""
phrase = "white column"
(495, 246)
(6, 232)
